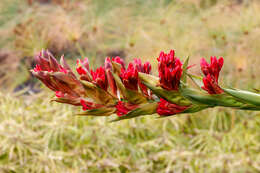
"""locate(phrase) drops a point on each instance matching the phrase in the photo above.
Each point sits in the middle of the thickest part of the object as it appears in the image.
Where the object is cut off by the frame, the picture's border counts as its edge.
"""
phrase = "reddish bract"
(166, 108)
(119, 61)
(86, 105)
(48, 70)
(99, 78)
(122, 108)
(129, 77)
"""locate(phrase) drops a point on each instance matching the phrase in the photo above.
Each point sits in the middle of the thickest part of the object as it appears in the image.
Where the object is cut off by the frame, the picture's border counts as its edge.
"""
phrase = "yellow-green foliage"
(41, 136)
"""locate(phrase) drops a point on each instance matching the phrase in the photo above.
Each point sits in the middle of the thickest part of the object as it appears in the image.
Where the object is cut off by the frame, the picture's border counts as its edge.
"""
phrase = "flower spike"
(131, 91)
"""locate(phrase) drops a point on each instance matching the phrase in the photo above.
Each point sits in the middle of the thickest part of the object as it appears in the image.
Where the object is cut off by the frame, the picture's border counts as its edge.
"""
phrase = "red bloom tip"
(147, 67)
(123, 108)
(144, 68)
(99, 77)
(130, 77)
(211, 72)
(119, 61)
(170, 70)
(166, 108)
(213, 68)
(82, 66)
(45, 61)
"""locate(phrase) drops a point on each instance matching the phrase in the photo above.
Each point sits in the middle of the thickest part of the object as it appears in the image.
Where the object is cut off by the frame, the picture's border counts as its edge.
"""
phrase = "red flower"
(122, 108)
(170, 70)
(167, 108)
(130, 77)
(99, 78)
(211, 72)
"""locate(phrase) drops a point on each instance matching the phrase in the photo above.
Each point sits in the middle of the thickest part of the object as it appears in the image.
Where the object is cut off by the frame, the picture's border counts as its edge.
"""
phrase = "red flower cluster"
(166, 108)
(99, 77)
(211, 72)
(48, 71)
(130, 78)
(46, 62)
(170, 70)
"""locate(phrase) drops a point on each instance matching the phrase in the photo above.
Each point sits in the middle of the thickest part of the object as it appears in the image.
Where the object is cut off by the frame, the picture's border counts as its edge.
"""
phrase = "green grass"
(37, 135)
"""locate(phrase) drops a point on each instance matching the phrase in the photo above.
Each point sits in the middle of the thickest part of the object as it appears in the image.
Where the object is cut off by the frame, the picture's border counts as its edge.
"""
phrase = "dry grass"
(39, 136)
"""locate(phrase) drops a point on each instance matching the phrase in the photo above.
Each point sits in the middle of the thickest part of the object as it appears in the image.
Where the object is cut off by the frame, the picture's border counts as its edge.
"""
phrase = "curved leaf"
(103, 111)
(248, 97)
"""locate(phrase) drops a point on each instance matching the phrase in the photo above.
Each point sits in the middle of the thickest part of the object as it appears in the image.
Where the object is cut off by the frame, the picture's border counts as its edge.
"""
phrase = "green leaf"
(198, 97)
(248, 97)
(103, 111)
(144, 109)
(172, 96)
(185, 69)
(195, 108)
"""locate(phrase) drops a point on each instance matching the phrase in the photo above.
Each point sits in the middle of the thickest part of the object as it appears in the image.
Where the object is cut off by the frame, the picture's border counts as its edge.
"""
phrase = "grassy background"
(37, 135)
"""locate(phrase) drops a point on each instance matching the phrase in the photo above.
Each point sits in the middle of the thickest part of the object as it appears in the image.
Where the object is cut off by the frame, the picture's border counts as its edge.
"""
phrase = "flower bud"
(170, 70)
(211, 72)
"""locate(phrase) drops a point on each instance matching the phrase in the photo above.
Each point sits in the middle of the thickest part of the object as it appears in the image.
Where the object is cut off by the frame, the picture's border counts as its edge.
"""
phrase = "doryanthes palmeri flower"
(122, 108)
(211, 72)
(166, 108)
(57, 77)
(99, 77)
(144, 68)
(170, 70)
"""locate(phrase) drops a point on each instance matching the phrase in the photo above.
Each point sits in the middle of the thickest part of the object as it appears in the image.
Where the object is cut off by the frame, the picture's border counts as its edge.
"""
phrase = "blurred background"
(37, 135)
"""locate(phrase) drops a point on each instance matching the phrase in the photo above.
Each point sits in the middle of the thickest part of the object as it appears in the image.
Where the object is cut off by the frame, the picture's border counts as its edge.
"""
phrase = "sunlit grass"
(39, 136)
